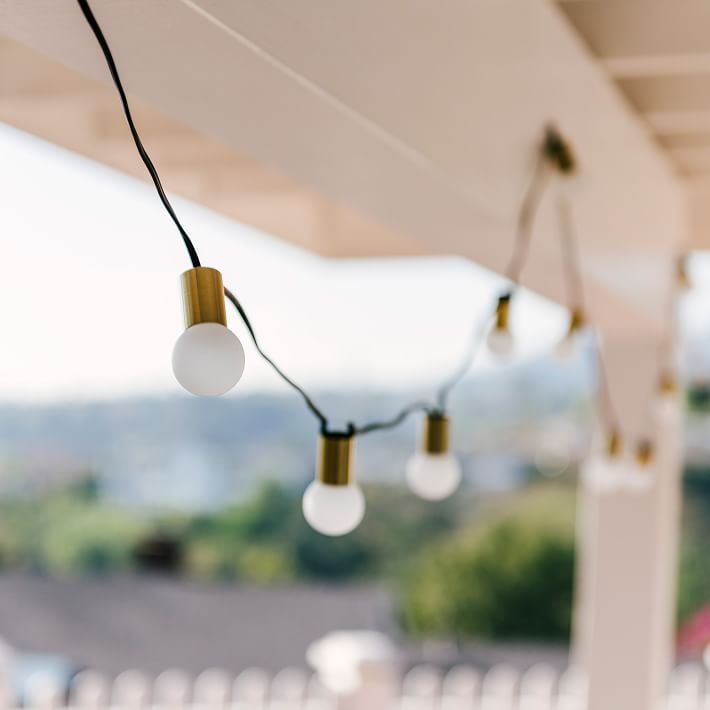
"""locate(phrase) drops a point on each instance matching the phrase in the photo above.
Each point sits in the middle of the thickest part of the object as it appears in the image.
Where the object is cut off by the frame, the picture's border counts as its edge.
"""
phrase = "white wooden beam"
(670, 123)
(642, 28)
(665, 65)
(57, 104)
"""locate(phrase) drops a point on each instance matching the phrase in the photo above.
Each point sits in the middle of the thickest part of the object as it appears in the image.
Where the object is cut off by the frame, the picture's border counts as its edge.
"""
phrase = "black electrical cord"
(575, 285)
(395, 421)
(526, 216)
(306, 398)
(101, 39)
(352, 429)
(570, 254)
(475, 344)
(547, 155)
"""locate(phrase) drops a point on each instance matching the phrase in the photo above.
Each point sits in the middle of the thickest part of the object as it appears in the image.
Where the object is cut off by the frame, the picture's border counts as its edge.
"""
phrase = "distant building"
(154, 623)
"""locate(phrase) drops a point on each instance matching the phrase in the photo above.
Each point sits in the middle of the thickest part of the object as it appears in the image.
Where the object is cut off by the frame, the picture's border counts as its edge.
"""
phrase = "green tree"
(90, 540)
(510, 577)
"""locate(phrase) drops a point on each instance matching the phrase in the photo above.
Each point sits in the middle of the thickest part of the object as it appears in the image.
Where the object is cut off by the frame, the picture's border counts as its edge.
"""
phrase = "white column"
(627, 552)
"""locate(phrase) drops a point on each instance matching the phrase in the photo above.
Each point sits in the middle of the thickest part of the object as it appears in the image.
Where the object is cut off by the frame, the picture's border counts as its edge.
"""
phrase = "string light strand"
(548, 153)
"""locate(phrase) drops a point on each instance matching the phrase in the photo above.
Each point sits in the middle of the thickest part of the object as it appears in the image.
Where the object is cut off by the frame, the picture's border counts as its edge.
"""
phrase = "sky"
(90, 300)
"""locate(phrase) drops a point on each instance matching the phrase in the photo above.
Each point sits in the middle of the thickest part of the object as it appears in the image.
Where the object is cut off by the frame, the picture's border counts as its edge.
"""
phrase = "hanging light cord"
(250, 328)
(525, 221)
(475, 344)
(573, 271)
(570, 254)
(395, 421)
(103, 44)
(352, 429)
(526, 217)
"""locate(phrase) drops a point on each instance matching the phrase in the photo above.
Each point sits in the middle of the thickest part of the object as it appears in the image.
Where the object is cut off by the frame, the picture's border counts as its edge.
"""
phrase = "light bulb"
(604, 471)
(683, 279)
(500, 342)
(638, 478)
(603, 474)
(667, 407)
(434, 473)
(433, 476)
(667, 403)
(552, 461)
(208, 359)
(568, 348)
(333, 504)
(333, 510)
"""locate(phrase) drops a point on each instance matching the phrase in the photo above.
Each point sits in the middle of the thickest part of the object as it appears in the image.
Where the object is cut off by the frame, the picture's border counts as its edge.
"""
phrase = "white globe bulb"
(552, 461)
(603, 474)
(500, 342)
(638, 479)
(667, 407)
(208, 359)
(333, 510)
(433, 476)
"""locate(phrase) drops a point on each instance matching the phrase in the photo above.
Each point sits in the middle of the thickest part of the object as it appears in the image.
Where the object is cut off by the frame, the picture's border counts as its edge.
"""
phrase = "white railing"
(422, 688)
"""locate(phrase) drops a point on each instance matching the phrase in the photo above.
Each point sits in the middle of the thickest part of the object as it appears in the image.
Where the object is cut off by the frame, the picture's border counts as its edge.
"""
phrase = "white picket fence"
(422, 688)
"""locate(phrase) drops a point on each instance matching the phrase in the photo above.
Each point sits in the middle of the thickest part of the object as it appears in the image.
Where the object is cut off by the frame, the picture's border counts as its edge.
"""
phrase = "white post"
(627, 551)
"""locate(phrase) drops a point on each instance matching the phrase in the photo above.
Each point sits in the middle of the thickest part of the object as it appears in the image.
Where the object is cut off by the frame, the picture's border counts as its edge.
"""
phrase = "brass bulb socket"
(682, 277)
(644, 453)
(558, 152)
(667, 384)
(436, 434)
(613, 445)
(577, 321)
(502, 313)
(335, 453)
(203, 296)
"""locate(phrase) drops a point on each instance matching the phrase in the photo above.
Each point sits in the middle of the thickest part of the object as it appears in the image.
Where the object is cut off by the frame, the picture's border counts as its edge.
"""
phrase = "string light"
(683, 280)
(333, 503)
(612, 471)
(434, 472)
(500, 340)
(605, 471)
(208, 359)
(639, 476)
(568, 348)
(667, 404)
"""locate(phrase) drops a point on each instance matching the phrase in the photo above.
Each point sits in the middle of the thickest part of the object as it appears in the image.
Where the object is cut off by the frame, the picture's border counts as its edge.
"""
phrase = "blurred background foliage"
(499, 567)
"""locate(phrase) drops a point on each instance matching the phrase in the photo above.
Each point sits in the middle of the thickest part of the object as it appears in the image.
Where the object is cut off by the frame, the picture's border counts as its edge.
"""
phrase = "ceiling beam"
(627, 29)
(422, 117)
(665, 65)
(60, 105)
